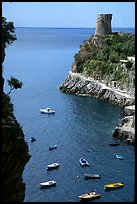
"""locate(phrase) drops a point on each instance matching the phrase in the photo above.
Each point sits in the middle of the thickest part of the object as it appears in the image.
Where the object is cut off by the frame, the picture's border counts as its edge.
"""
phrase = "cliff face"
(14, 156)
(104, 67)
(126, 128)
(15, 152)
(79, 84)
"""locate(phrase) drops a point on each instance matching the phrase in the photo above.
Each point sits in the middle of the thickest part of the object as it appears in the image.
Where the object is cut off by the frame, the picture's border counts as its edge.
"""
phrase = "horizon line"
(65, 27)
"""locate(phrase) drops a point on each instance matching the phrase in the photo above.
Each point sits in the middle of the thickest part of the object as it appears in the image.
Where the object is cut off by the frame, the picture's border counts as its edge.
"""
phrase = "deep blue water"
(81, 126)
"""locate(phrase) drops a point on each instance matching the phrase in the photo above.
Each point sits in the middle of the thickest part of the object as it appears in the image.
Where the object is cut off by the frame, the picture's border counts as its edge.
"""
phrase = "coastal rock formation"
(126, 129)
(104, 68)
(14, 157)
(15, 152)
(79, 84)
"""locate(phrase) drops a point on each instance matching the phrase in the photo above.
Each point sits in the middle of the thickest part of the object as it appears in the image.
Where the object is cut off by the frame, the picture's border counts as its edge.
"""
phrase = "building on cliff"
(103, 24)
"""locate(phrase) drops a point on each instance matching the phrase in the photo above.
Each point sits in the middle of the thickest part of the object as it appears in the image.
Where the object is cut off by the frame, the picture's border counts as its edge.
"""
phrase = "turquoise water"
(81, 126)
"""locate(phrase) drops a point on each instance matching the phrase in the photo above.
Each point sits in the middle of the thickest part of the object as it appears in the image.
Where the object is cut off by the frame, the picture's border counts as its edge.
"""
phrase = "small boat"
(53, 166)
(90, 195)
(47, 111)
(92, 176)
(33, 139)
(114, 144)
(47, 184)
(83, 162)
(52, 147)
(119, 156)
(113, 186)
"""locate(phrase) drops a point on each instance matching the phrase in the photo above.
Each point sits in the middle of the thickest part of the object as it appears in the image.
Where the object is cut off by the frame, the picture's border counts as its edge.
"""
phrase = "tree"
(14, 84)
(8, 33)
(8, 37)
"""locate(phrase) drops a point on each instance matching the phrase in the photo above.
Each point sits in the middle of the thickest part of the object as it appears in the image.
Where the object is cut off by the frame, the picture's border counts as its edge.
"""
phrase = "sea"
(81, 127)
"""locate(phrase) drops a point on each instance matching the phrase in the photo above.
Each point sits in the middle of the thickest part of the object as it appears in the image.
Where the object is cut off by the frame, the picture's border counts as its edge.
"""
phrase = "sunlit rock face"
(103, 24)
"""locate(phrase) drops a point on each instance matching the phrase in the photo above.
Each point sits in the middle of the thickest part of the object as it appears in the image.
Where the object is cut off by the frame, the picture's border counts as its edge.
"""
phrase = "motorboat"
(92, 176)
(90, 195)
(53, 166)
(33, 139)
(47, 111)
(114, 144)
(83, 162)
(118, 156)
(52, 147)
(48, 184)
(113, 186)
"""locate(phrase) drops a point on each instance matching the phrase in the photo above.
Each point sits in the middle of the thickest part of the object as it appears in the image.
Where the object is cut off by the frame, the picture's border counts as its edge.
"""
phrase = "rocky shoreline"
(82, 85)
(126, 129)
(77, 83)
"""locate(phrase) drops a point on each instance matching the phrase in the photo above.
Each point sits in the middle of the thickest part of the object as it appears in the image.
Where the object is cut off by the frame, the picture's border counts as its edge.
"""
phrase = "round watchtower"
(103, 24)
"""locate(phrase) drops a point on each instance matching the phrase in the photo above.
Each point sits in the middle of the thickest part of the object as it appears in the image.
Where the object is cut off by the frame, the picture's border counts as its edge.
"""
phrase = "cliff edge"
(15, 152)
(104, 67)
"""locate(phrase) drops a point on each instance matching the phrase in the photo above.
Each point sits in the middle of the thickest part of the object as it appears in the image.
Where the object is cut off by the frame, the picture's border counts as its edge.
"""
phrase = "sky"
(68, 14)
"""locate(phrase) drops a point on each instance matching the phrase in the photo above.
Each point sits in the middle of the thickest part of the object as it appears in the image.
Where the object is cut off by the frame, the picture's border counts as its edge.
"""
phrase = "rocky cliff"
(15, 152)
(79, 84)
(15, 155)
(126, 128)
(104, 67)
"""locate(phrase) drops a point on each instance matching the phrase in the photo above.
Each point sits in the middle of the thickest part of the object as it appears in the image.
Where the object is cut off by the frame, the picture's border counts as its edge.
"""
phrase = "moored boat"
(83, 162)
(53, 166)
(90, 195)
(47, 111)
(113, 186)
(92, 176)
(52, 147)
(33, 139)
(118, 156)
(47, 184)
(114, 144)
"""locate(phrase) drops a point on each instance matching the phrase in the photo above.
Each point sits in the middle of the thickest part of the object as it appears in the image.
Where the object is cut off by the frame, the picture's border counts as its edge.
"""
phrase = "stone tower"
(103, 24)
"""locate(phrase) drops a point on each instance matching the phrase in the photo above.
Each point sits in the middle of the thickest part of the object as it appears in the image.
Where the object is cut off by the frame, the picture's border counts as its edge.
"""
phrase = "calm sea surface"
(81, 126)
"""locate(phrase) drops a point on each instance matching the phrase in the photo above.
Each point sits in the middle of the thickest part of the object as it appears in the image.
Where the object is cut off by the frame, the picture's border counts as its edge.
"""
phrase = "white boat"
(47, 184)
(47, 111)
(92, 176)
(90, 195)
(83, 162)
(118, 156)
(52, 147)
(53, 166)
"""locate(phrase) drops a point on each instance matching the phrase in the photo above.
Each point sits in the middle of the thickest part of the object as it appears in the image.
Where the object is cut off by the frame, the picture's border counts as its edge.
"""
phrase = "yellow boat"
(90, 195)
(114, 185)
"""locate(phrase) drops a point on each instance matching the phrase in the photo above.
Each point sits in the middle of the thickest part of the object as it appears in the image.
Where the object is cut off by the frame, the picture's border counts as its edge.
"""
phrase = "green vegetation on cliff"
(99, 56)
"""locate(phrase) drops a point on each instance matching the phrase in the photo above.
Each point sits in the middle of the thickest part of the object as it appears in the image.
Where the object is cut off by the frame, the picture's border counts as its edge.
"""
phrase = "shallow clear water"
(81, 126)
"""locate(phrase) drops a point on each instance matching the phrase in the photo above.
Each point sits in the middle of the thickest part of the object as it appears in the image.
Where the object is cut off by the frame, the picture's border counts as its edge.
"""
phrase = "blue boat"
(114, 144)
